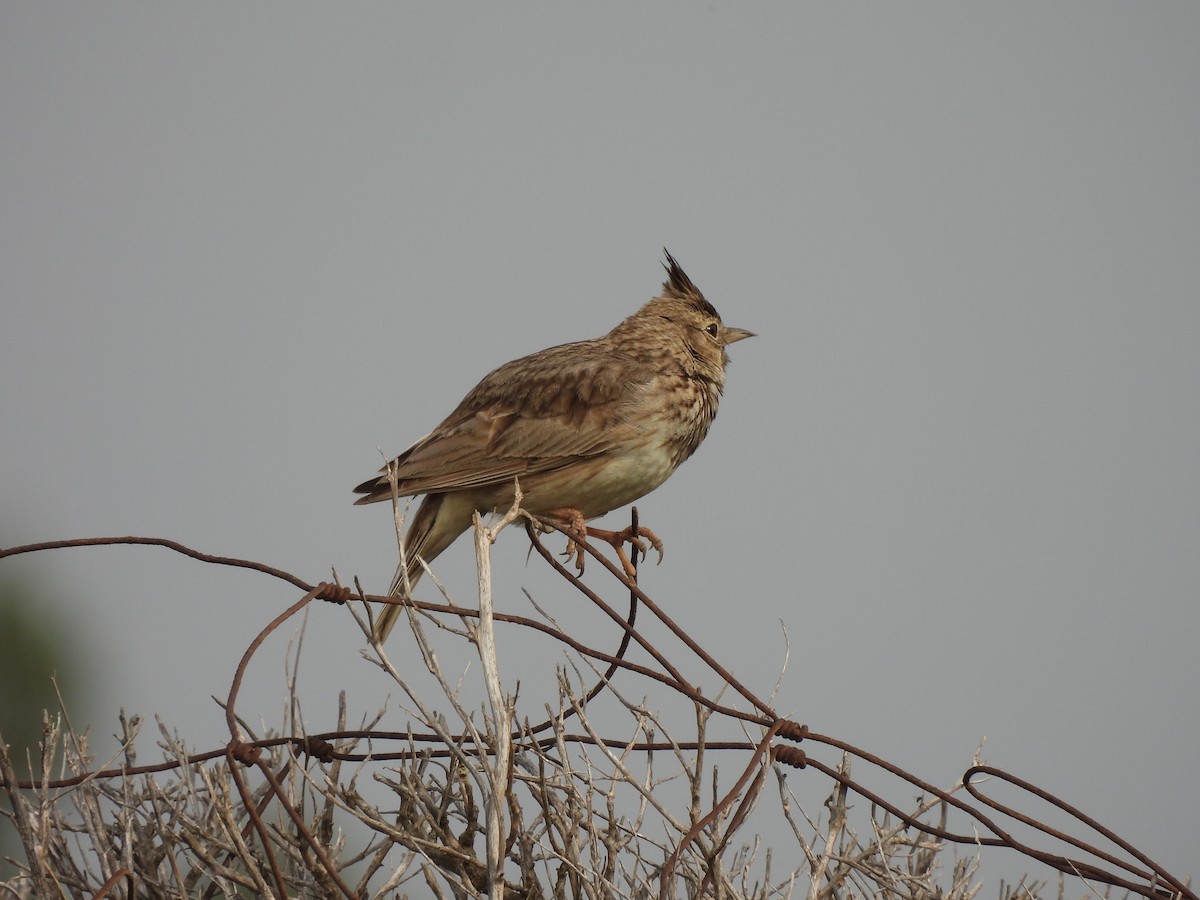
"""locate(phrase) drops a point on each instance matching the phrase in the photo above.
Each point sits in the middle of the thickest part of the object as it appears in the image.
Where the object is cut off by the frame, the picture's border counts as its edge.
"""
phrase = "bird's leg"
(627, 536)
(574, 522)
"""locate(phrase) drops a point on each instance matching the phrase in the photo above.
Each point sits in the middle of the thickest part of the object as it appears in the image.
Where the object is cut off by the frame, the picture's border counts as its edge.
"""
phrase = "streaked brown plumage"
(587, 427)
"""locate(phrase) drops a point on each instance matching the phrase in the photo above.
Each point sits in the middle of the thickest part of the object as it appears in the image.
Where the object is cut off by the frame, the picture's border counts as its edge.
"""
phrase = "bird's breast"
(606, 482)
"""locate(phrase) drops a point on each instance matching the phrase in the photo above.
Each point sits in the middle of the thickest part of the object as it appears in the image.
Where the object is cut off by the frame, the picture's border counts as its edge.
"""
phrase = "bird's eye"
(713, 329)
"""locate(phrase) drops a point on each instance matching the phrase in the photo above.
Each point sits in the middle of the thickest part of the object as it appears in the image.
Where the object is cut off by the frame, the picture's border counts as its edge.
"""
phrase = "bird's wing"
(532, 415)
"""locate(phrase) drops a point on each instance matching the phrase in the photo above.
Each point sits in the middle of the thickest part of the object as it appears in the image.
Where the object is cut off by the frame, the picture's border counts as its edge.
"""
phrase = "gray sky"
(243, 247)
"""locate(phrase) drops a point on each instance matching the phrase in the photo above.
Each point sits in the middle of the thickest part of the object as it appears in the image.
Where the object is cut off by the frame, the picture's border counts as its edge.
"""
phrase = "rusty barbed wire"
(1146, 878)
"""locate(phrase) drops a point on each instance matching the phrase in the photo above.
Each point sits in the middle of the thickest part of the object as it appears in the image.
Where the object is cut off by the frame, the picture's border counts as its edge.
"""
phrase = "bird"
(584, 428)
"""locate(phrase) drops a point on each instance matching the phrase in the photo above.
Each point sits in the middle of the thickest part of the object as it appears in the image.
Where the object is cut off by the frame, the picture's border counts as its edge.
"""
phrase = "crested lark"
(586, 427)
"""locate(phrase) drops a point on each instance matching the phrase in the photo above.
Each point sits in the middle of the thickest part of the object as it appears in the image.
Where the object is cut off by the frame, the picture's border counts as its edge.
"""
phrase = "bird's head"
(694, 320)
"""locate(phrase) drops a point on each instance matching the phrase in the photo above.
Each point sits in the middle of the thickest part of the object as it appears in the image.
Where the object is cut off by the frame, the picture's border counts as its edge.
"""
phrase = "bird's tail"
(416, 547)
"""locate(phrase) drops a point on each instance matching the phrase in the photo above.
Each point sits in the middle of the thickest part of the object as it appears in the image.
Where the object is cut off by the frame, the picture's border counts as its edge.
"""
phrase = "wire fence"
(540, 794)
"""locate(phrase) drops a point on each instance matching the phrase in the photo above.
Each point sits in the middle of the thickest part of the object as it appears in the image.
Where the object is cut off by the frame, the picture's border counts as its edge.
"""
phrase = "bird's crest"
(679, 287)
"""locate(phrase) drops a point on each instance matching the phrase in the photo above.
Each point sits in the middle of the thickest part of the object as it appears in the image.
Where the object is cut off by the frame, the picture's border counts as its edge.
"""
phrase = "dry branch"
(579, 802)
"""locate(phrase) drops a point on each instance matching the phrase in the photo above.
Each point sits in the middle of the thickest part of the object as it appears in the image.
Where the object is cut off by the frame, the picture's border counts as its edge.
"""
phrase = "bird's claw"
(578, 532)
(574, 551)
(634, 539)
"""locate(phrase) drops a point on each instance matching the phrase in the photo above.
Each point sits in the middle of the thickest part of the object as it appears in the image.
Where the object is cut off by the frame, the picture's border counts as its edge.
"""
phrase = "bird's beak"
(733, 335)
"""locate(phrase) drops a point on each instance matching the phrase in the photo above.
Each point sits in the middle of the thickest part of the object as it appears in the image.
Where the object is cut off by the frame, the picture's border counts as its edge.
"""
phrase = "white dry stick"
(837, 821)
(502, 713)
